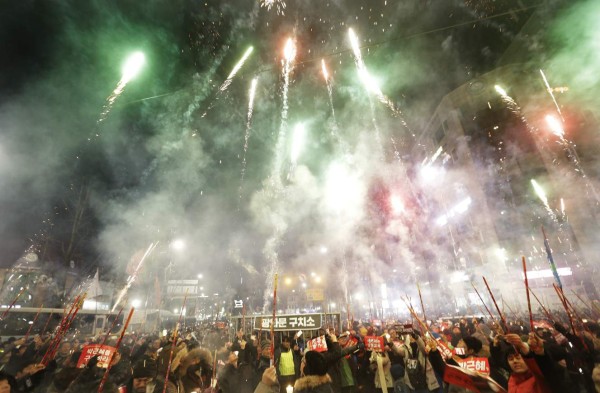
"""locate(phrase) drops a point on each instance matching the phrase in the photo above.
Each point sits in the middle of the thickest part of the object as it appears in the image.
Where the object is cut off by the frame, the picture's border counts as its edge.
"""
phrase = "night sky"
(156, 169)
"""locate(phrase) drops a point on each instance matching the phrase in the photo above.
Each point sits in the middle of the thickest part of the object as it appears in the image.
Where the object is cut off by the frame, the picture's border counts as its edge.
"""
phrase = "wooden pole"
(496, 305)
(531, 327)
(105, 376)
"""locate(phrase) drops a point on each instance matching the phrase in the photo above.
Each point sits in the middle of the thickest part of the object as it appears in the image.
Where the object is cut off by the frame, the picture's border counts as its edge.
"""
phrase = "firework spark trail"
(556, 127)
(279, 5)
(329, 84)
(514, 108)
(334, 126)
(235, 69)
(288, 67)
(542, 195)
(130, 70)
(228, 80)
(248, 129)
(550, 91)
(370, 83)
(131, 279)
(274, 186)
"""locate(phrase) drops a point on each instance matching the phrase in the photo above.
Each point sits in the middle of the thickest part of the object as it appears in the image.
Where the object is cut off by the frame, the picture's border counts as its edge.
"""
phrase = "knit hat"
(315, 363)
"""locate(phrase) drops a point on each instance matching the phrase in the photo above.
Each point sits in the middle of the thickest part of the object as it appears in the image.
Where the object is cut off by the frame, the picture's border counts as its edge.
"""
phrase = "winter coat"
(432, 383)
(89, 381)
(297, 359)
(229, 379)
(313, 384)
(386, 367)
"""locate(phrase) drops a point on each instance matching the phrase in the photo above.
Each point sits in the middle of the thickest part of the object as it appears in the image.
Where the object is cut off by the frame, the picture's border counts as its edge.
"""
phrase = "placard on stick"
(374, 343)
(104, 353)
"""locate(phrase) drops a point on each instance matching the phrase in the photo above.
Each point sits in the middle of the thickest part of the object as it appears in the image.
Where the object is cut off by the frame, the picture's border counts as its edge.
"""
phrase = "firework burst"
(279, 5)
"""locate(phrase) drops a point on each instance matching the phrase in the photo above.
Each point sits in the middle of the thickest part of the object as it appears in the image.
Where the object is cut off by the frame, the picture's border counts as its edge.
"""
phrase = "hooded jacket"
(313, 384)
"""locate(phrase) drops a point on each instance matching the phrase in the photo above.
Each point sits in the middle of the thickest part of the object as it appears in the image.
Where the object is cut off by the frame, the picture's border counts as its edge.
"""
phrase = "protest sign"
(103, 352)
(374, 343)
(480, 365)
(317, 344)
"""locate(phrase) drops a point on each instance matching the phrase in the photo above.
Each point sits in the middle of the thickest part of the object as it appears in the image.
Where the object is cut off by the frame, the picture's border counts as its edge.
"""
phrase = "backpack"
(415, 371)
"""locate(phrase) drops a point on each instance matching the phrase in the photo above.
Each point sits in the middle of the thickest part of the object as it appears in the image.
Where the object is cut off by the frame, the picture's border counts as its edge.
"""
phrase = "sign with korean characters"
(374, 343)
(480, 365)
(317, 344)
(289, 322)
(103, 352)
(471, 380)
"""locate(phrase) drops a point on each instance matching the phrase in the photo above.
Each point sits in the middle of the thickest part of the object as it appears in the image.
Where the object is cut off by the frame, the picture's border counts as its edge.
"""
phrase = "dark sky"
(61, 59)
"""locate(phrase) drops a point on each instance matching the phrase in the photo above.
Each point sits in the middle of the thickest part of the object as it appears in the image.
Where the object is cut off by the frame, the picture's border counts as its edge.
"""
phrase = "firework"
(132, 278)
(324, 69)
(279, 5)
(289, 55)
(371, 84)
(539, 191)
(555, 126)
(235, 69)
(131, 69)
(551, 92)
(251, 95)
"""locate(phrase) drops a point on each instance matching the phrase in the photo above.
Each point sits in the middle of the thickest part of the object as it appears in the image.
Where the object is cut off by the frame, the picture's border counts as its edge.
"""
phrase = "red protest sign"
(374, 343)
(470, 380)
(317, 344)
(480, 365)
(459, 351)
(445, 351)
(103, 352)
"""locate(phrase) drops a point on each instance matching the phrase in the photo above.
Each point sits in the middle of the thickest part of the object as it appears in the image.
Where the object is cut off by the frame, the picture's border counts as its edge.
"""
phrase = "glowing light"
(437, 154)
(430, 174)
(235, 70)
(460, 208)
(547, 273)
(539, 192)
(136, 303)
(318, 279)
(550, 91)
(562, 206)
(298, 142)
(241, 62)
(178, 245)
(132, 67)
(323, 250)
(324, 69)
(555, 126)
(355, 46)
(289, 51)
(131, 279)
(501, 91)
(200, 276)
(288, 281)
(278, 4)
(343, 189)
(396, 205)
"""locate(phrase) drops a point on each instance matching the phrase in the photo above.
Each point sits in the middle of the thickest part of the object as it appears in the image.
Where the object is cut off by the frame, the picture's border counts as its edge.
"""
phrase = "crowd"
(469, 354)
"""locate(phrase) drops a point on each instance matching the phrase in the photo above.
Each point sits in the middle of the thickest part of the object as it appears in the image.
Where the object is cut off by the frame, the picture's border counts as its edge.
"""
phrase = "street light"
(177, 244)
(200, 276)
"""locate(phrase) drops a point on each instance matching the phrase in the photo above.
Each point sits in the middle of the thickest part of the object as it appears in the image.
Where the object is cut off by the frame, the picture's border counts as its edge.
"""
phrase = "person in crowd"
(229, 376)
(7, 383)
(314, 377)
(287, 363)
